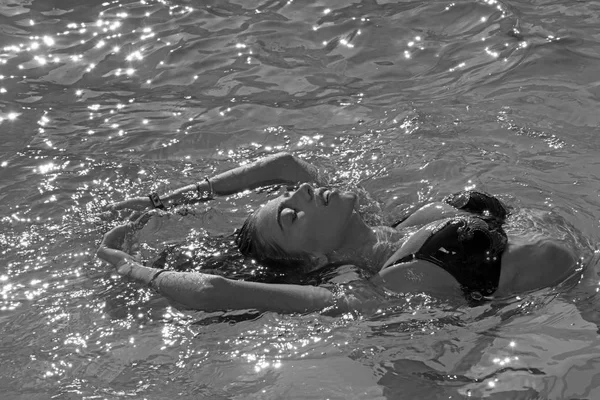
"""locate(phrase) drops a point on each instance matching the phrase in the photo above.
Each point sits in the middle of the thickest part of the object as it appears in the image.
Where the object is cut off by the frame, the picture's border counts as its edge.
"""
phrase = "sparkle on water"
(409, 101)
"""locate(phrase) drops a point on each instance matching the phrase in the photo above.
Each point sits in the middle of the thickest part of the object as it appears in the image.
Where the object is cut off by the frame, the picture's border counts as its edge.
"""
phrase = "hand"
(135, 203)
(113, 210)
(120, 243)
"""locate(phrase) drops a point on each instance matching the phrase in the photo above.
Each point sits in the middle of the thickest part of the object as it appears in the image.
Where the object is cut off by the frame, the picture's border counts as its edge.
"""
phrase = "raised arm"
(277, 168)
(211, 292)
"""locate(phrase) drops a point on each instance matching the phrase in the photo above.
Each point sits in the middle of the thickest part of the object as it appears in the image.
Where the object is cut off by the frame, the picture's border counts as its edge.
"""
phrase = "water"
(410, 100)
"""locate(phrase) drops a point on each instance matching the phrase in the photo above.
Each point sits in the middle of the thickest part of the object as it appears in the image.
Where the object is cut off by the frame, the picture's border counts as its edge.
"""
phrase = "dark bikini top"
(468, 246)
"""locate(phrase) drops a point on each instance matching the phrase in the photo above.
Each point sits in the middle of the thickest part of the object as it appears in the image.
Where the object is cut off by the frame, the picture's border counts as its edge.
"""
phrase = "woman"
(456, 246)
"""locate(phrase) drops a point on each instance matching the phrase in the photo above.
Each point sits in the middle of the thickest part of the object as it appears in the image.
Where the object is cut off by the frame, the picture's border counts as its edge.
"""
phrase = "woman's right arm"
(277, 168)
(215, 293)
(209, 292)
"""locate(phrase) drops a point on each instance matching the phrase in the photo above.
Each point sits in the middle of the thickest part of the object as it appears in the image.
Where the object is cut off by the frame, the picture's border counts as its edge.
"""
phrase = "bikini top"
(470, 246)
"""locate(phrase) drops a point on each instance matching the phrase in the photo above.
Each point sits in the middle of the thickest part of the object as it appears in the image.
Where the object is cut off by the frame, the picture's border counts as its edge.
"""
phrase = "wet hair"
(252, 244)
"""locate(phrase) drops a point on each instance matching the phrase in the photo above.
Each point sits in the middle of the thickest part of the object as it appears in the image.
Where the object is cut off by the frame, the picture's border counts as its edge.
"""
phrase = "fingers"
(134, 216)
(143, 219)
(114, 238)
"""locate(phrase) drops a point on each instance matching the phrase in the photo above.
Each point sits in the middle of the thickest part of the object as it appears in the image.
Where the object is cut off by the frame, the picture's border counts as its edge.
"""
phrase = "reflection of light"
(35, 45)
(130, 71)
(458, 66)
(483, 19)
(48, 40)
(344, 42)
(31, 22)
(100, 44)
(46, 168)
(116, 49)
(78, 92)
(494, 54)
(327, 11)
(12, 116)
(136, 55)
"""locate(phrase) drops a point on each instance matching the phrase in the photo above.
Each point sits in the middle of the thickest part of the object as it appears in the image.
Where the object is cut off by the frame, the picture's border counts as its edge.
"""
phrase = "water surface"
(409, 100)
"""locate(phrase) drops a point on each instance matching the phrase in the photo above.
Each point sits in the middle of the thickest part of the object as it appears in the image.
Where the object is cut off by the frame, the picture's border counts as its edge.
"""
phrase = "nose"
(305, 192)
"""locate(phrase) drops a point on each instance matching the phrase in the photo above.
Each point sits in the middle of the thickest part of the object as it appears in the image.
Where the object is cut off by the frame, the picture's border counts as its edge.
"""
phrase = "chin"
(350, 198)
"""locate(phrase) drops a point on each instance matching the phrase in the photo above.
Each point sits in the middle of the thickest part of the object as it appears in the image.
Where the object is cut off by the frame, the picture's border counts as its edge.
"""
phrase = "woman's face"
(307, 220)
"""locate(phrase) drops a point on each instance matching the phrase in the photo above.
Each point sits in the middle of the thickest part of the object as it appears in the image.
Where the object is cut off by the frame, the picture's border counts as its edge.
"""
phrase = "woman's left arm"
(277, 168)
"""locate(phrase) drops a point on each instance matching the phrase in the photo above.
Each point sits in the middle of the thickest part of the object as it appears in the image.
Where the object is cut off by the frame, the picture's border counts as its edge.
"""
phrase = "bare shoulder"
(534, 262)
(429, 213)
(418, 276)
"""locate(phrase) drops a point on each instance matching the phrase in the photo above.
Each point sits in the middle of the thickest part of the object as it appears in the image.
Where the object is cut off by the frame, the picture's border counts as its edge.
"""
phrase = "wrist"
(124, 266)
(205, 188)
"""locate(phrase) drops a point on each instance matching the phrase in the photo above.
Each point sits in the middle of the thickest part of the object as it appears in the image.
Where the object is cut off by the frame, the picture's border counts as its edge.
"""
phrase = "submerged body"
(449, 248)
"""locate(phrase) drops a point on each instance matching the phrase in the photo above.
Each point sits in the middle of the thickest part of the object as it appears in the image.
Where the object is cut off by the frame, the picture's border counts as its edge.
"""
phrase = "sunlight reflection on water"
(409, 101)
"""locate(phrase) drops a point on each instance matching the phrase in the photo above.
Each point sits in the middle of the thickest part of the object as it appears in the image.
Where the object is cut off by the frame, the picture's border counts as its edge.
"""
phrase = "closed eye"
(280, 210)
(294, 213)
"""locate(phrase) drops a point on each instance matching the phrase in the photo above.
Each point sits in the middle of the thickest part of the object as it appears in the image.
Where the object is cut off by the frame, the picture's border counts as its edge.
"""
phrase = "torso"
(410, 268)
(529, 262)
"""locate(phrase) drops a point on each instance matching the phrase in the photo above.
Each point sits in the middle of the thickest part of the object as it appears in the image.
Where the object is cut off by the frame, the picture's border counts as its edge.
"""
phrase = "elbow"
(285, 161)
(283, 155)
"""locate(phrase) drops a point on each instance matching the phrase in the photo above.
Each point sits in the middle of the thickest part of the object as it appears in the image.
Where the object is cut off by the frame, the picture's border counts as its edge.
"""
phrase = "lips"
(324, 195)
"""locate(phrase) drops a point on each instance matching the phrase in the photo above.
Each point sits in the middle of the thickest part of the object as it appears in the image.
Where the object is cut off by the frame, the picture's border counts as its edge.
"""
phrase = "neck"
(365, 246)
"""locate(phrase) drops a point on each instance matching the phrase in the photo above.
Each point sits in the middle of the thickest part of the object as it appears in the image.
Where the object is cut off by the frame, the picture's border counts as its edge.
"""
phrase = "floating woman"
(457, 246)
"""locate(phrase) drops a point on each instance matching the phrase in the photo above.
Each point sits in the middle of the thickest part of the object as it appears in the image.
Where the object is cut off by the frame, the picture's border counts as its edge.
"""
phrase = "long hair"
(252, 244)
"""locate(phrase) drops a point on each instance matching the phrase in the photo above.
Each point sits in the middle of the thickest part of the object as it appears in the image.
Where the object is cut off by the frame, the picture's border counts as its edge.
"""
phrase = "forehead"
(266, 220)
